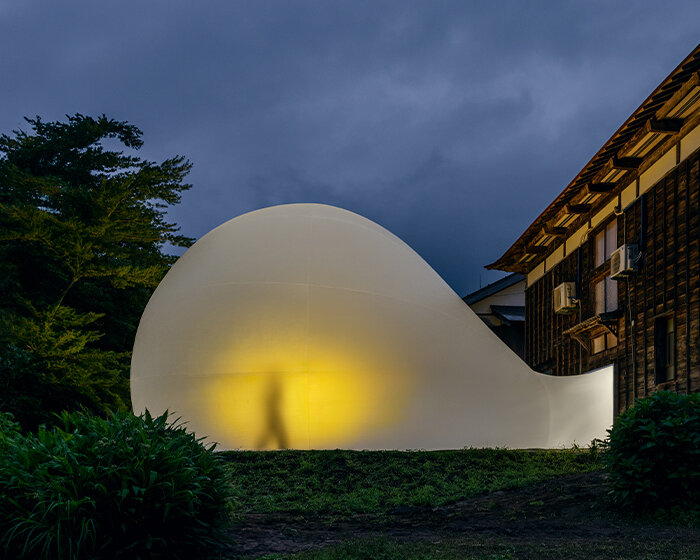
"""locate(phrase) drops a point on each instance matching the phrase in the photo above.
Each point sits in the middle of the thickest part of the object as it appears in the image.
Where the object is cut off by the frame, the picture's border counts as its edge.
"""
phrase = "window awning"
(587, 330)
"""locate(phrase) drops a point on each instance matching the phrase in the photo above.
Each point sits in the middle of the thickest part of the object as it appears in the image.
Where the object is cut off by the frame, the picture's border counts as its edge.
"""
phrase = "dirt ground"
(569, 508)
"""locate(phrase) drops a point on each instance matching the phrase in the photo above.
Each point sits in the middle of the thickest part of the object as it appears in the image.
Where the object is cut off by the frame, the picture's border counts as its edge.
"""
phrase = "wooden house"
(613, 263)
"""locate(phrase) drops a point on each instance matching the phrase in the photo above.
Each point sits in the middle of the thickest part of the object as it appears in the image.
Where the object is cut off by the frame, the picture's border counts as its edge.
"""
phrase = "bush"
(120, 487)
(653, 455)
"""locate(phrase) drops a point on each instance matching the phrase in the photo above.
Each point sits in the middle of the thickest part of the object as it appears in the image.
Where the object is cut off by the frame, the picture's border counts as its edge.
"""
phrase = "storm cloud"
(453, 124)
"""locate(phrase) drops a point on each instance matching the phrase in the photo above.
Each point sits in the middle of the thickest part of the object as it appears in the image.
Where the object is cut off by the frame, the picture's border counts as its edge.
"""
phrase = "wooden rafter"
(627, 163)
(677, 97)
(556, 231)
(664, 126)
(538, 249)
(578, 208)
(599, 188)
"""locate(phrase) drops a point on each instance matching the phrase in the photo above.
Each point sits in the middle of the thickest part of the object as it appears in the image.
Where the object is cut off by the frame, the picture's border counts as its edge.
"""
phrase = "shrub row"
(653, 453)
(120, 487)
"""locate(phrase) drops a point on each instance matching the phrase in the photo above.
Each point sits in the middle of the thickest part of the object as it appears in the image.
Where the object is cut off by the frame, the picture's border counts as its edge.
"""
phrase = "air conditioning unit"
(622, 261)
(565, 298)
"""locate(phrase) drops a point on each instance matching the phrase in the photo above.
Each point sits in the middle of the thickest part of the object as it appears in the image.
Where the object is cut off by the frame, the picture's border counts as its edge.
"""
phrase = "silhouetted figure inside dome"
(274, 431)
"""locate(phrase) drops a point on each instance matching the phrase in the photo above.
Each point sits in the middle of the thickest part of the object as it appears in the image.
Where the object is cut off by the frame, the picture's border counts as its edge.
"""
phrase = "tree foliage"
(82, 230)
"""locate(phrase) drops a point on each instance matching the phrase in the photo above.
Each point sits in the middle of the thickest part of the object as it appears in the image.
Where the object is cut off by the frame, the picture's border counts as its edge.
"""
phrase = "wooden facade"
(642, 188)
(665, 224)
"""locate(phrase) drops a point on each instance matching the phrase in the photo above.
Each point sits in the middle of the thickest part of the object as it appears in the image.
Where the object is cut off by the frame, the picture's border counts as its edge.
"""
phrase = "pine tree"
(82, 231)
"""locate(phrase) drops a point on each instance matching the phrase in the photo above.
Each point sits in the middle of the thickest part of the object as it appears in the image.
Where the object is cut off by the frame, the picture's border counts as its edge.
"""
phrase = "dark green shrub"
(120, 487)
(653, 455)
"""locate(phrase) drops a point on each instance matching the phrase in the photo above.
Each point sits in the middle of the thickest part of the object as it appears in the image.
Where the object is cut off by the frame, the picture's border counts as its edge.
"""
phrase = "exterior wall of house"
(512, 295)
(512, 332)
(664, 221)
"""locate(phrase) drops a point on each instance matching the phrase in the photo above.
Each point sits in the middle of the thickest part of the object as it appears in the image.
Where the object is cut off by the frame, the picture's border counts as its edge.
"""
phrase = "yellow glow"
(301, 403)
(308, 326)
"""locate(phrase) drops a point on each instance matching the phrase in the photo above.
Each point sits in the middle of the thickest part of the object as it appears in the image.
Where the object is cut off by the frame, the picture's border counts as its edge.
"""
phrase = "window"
(603, 342)
(605, 243)
(665, 349)
(598, 344)
(605, 294)
(604, 291)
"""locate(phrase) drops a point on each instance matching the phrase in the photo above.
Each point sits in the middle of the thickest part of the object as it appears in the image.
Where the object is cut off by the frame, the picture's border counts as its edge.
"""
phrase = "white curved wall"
(308, 326)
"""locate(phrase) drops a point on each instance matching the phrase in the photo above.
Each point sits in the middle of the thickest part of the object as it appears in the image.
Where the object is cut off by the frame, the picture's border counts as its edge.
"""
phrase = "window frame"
(604, 242)
(607, 284)
(609, 341)
(665, 346)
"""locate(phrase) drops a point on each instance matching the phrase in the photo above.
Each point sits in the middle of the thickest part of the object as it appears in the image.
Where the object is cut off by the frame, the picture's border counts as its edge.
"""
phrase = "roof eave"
(511, 260)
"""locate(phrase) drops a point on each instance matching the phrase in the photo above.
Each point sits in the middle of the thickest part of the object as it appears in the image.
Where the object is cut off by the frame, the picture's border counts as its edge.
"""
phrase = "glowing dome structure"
(307, 326)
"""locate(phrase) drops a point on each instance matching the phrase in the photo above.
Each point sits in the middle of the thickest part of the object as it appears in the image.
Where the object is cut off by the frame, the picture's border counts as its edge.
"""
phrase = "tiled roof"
(493, 288)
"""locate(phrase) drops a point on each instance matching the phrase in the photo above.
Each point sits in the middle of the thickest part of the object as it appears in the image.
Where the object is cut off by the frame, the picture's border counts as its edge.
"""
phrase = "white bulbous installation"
(307, 326)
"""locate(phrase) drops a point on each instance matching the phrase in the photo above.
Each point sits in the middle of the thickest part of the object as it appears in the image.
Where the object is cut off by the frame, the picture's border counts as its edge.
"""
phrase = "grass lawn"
(472, 504)
(351, 482)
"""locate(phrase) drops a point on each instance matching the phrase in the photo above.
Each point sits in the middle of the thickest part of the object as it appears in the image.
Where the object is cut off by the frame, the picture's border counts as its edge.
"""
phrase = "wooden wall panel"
(665, 224)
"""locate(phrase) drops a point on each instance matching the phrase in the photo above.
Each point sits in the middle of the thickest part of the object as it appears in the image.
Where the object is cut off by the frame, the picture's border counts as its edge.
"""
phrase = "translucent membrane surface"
(307, 326)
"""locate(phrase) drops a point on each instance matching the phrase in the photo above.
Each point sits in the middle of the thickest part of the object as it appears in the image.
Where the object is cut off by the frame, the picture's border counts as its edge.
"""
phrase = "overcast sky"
(452, 124)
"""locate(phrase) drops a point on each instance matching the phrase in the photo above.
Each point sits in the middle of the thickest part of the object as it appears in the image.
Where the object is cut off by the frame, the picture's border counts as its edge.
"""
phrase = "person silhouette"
(274, 430)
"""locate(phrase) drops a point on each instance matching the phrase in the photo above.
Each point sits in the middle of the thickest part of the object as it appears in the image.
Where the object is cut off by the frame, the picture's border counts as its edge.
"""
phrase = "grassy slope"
(347, 482)
(475, 548)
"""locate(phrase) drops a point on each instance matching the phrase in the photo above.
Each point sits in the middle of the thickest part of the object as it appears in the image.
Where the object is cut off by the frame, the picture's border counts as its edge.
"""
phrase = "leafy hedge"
(120, 487)
(653, 455)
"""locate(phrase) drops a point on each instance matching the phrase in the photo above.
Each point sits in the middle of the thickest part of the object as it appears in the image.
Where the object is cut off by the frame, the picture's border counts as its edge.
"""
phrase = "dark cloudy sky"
(452, 124)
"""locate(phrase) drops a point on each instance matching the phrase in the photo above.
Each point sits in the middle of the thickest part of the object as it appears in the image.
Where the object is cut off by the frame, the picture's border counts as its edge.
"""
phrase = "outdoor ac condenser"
(565, 298)
(622, 261)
